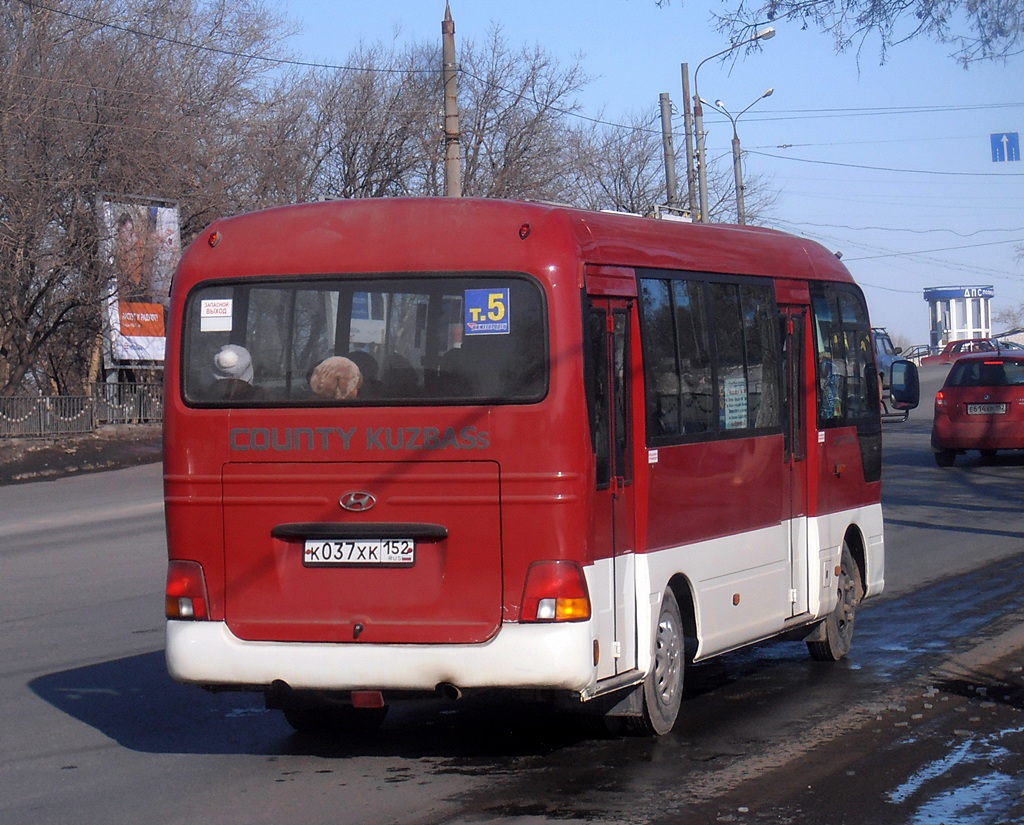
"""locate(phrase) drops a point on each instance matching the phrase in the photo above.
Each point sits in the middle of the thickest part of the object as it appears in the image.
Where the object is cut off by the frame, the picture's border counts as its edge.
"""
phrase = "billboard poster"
(140, 245)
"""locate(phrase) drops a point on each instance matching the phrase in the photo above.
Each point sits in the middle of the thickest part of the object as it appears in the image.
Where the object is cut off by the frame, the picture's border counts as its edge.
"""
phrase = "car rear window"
(995, 372)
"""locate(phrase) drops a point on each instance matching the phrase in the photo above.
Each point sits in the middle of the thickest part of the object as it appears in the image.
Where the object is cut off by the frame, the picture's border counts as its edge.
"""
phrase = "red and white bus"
(561, 452)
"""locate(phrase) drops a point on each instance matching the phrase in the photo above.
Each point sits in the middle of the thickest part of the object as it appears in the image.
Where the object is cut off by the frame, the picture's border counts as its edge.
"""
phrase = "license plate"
(359, 552)
(986, 409)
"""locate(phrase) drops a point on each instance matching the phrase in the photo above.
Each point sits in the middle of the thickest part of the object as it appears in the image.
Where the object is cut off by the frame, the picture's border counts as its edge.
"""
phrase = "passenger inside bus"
(367, 364)
(336, 379)
(232, 374)
(454, 375)
(400, 379)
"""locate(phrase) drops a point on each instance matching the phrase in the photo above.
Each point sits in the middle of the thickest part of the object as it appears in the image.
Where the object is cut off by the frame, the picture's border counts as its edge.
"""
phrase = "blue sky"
(891, 164)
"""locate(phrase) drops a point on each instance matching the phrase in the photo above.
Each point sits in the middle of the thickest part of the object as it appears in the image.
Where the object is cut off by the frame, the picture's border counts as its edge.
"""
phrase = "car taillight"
(186, 591)
(556, 591)
(940, 399)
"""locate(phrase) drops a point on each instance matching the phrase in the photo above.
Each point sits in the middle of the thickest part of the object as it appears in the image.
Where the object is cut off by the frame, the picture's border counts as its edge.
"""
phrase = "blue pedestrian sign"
(1005, 146)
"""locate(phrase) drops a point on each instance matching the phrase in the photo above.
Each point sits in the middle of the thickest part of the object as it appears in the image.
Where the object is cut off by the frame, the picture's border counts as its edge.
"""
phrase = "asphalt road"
(921, 724)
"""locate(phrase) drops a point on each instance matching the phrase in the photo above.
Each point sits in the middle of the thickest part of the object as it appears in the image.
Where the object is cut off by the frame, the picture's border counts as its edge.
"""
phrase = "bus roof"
(431, 234)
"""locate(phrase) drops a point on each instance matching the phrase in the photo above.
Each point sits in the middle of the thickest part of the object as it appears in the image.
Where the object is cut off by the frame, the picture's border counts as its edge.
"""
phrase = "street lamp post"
(698, 116)
(737, 164)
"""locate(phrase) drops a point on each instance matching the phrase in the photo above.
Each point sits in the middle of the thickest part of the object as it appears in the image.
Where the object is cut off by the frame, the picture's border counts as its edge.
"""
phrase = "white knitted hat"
(233, 361)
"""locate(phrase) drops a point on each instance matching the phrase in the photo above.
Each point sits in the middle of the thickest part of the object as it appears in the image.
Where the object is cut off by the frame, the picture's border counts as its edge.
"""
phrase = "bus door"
(612, 530)
(794, 330)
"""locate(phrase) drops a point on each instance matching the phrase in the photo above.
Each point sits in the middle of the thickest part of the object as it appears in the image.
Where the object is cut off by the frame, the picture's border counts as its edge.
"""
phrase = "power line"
(821, 114)
(313, 65)
(785, 115)
(1019, 230)
(939, 249)
(889, 168)
(883, 253)
(278, 61)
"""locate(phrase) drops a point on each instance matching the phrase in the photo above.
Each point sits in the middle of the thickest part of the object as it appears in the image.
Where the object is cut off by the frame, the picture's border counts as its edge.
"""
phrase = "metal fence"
(54, 415)
(128, 403)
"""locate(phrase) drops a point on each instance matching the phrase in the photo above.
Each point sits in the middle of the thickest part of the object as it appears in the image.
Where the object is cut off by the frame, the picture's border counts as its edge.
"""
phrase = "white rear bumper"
(538, 656)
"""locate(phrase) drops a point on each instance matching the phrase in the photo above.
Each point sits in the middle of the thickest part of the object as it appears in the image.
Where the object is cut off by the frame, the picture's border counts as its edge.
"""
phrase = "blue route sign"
(1005, 147)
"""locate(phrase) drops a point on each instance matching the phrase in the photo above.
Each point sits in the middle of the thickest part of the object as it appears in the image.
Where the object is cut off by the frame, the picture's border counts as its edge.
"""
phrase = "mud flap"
(817, 633)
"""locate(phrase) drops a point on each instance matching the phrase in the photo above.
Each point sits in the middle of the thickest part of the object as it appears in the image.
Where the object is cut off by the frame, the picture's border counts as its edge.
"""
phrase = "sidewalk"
(34, 459)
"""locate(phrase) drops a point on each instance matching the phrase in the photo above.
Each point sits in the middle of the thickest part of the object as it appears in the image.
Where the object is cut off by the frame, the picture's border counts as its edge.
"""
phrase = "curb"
(30, 459)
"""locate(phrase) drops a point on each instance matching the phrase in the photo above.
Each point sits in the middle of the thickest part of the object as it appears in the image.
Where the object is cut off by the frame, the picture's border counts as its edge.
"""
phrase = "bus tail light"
(556, 591)
(186, 591)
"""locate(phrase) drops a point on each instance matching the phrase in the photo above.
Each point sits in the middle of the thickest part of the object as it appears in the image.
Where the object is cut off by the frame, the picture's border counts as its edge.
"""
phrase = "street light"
(737, 168)
(698, 116)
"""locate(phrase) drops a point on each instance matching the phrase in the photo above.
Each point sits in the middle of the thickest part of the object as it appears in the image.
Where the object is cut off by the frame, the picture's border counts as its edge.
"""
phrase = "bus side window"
(829, 361)
(598, 393)
(847, 379)
(862, 383)
(693, 346)
(660, 366)
(677, 363)
(691, 392)
(748, 356)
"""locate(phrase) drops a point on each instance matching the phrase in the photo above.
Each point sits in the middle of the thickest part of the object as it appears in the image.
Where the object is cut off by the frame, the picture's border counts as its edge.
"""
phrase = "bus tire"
(837, 636)
(663, 687)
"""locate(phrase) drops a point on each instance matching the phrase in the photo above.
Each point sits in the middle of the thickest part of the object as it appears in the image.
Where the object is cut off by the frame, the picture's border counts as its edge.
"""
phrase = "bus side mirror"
(905, 386)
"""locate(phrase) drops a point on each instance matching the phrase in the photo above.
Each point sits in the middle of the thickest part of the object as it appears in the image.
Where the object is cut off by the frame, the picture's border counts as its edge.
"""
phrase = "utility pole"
(668, 148)
(698, 115)
(691, 174)
(737, 162)
(452, 150)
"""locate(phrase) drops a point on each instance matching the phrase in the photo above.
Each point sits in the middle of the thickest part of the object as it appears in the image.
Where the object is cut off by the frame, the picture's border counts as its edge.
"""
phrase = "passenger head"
(367, 364)
(233, 361)
(336, 378)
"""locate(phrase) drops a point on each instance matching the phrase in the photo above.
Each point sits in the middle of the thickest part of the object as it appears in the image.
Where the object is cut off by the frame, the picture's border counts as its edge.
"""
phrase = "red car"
(980, 407)
(954, 349)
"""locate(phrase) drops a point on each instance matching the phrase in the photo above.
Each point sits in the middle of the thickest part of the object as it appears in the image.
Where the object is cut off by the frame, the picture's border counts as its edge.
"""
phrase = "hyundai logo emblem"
(358, 501)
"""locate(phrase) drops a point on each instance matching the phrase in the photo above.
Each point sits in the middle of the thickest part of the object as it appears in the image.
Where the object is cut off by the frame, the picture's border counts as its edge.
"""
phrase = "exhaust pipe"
(449, 691)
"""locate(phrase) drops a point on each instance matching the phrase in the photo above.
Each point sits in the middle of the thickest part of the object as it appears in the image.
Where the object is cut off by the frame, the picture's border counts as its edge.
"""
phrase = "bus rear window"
(372, 341)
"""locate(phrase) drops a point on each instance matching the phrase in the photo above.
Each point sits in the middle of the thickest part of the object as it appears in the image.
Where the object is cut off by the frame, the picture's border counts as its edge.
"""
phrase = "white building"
(957, 312)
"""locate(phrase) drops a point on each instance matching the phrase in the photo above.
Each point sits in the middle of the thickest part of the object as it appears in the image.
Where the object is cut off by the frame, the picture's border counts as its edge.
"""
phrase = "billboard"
(140, 245)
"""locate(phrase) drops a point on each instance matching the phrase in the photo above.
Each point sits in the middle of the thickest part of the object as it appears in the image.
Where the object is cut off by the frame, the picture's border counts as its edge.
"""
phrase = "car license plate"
(359, 552)
(986, 409)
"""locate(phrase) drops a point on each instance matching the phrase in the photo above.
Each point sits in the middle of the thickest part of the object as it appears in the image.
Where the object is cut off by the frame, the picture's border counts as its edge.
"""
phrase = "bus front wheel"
(834, 637)
(663, 687)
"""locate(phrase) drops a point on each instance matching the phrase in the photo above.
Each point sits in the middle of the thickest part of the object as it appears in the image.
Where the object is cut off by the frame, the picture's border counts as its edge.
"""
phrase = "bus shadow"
(133, 701)
(136, 704)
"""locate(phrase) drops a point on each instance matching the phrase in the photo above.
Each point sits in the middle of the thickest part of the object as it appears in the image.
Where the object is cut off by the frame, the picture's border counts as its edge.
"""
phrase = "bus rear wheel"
(836, 636)
(663, 687)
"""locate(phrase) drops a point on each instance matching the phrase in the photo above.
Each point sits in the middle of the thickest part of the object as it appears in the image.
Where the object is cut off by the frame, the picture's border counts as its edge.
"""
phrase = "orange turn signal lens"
(186, 591)
(556, 591)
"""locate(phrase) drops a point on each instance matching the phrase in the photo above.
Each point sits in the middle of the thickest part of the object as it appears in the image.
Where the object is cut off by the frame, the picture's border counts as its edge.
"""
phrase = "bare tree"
(365, 135)
(376, 130)
(122, 96)
(186, 102)
(759, 196)
(514, 111)
(977, 29)
(619, 167)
